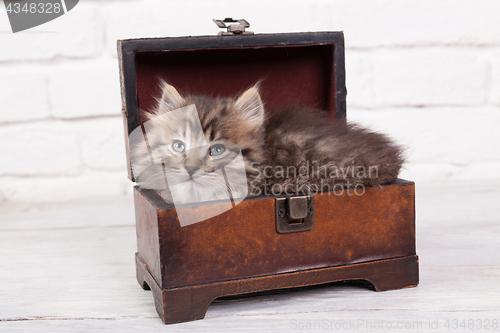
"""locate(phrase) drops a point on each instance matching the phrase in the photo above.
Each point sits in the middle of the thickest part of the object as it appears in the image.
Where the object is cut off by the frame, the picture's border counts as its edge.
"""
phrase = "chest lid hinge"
(233, 29)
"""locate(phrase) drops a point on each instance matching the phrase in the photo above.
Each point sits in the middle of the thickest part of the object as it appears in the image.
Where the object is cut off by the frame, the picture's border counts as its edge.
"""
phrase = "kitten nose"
(191, 169)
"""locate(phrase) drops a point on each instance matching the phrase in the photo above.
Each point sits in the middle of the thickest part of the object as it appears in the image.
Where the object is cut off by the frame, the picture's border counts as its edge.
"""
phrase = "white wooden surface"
(70, 268)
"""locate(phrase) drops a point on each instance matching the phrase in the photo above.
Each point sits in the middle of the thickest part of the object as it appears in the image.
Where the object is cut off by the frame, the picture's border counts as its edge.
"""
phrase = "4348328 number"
(478, 324)
(33, 8)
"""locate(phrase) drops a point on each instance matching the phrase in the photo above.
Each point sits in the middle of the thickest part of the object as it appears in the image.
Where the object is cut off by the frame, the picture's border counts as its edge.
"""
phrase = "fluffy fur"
(291, 150)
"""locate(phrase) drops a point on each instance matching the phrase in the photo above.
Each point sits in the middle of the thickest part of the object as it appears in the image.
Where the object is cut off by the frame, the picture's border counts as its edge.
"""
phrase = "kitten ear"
(170, 98)
(250, 105)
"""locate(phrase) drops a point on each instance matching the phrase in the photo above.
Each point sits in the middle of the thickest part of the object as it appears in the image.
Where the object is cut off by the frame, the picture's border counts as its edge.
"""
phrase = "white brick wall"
(494, 78)
(430, 76)
(80, 90)
(23, 96)
(427, 72)
(77, 35)
(48, 148)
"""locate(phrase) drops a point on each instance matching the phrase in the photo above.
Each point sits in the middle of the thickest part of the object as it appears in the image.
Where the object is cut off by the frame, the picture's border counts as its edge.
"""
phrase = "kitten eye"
(178, 146)
(217, 149)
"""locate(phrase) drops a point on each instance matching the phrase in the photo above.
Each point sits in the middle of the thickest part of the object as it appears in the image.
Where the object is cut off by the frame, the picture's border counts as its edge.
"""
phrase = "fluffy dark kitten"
(326, 155)
(292, 150)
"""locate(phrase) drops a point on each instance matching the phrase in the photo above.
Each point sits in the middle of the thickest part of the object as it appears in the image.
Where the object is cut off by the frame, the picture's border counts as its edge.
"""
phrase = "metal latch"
(294, 214)
(233, 29)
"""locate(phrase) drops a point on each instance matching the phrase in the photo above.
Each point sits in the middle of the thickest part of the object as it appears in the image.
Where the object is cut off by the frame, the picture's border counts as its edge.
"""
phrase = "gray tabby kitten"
(288, 151)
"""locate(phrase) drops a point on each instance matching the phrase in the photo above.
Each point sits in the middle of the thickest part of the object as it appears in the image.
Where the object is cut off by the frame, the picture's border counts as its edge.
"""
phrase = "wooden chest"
(252, 247)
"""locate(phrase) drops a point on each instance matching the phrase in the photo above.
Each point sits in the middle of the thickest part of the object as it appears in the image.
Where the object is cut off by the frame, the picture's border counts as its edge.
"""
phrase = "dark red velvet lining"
(290, 74)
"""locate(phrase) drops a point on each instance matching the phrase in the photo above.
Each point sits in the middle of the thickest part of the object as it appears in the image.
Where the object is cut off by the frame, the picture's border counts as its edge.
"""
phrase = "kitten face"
(195, 144)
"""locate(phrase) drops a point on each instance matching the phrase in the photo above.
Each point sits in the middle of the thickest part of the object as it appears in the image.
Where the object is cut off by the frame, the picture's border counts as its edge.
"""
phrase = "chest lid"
(303, 68)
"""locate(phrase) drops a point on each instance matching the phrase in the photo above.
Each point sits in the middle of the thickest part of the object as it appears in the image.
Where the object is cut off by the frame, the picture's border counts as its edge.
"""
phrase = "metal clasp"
(294, 214)
(233, 29)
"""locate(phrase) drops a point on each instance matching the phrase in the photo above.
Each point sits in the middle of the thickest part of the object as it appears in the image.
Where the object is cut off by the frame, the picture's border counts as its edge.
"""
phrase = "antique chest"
(254, 246)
